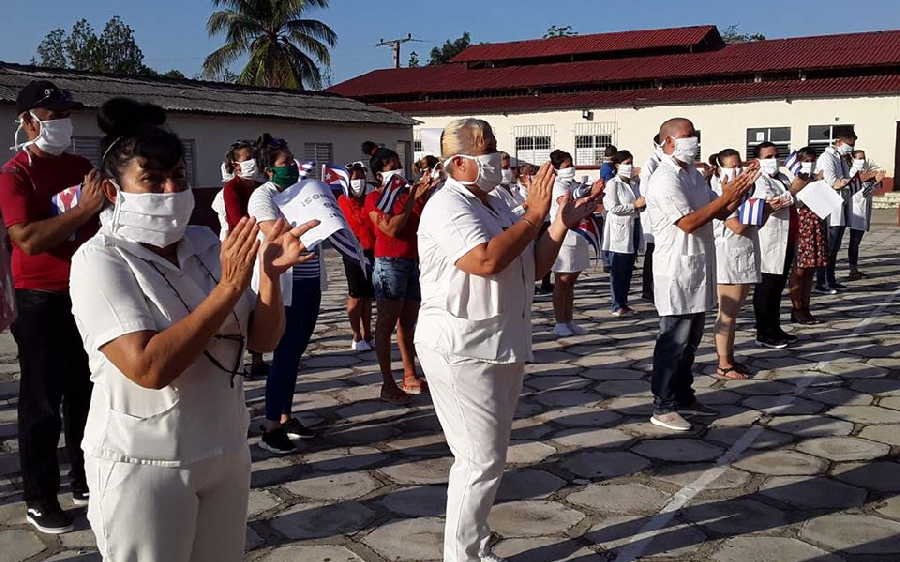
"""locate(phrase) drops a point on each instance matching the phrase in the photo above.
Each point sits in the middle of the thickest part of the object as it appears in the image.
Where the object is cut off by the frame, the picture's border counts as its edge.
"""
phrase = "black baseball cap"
(43, 93)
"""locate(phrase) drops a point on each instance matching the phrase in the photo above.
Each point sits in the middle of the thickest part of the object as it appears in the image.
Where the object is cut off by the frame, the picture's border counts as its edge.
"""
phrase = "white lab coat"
(773, 235)
(860, 210)
(511, 196)
(737, 255)
(218, 205)
(834, 168)
(618, 228)
(647, 170)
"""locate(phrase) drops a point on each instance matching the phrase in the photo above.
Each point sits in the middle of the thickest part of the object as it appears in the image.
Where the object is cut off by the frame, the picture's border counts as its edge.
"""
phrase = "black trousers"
(647, 274)
(767, 299)
(825, 276)
(55, 379)
(856, 237)
(673, 361)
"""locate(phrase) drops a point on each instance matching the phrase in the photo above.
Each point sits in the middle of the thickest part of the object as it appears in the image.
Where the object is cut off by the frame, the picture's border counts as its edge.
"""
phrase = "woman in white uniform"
(165, 313)
(478, 267)
(622, 228)
(865, 178)
(737, 264)
(574, 256)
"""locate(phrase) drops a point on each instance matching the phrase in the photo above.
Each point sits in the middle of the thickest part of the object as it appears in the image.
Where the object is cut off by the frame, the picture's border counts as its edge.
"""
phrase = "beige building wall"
(722, 125)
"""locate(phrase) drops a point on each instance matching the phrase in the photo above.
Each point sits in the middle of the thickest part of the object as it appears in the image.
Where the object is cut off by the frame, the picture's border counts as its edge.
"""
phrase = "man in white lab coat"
(834, 165)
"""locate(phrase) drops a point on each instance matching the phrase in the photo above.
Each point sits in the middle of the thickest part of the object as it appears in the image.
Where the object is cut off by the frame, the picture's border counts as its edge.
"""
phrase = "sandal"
(420, 386)
(741, 367)
(401, 399)
(730, 374)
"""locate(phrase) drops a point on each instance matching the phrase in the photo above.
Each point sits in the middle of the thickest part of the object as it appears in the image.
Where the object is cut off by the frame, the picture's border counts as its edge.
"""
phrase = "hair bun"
(124, 116)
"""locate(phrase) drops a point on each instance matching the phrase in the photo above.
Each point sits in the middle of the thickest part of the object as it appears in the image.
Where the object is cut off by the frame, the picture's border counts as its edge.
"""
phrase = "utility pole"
(394, 44)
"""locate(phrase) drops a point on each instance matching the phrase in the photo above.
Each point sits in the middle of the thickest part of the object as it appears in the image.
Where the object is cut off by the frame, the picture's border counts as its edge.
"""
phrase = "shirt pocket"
(692, 272)
(743, 262)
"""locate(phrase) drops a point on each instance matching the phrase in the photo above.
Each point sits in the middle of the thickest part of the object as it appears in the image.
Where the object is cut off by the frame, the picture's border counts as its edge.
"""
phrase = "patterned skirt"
(812, 240)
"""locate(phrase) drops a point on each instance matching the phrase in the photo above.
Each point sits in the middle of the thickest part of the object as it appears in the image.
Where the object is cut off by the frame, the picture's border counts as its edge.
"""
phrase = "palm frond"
(312, 28)
(219, 60)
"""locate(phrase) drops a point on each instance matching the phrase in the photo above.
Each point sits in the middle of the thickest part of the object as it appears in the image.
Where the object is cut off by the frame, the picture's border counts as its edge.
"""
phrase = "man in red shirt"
(49, 200)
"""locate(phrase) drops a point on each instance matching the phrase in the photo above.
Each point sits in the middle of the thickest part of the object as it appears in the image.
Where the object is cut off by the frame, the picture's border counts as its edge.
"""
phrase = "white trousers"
(475, 403)
(147, 513)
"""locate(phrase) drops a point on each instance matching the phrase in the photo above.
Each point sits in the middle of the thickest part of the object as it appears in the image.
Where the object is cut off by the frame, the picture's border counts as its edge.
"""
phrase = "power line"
(394, 44)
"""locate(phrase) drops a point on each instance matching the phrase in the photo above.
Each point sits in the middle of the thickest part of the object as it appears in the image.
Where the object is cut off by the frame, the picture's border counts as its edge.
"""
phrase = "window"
(190, 170)
(698, 157)
(89, 147)
(318, 153)
(534, 143)
(780, 136)
(417, 145)
(591, 139)
(404, 150)
(820, 136)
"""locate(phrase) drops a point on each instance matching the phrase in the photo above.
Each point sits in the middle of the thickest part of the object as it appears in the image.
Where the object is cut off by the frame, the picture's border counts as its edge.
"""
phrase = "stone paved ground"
(800, 466)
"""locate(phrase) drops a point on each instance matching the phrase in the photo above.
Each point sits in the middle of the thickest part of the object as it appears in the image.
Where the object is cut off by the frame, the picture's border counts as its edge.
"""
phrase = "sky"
(172, 33)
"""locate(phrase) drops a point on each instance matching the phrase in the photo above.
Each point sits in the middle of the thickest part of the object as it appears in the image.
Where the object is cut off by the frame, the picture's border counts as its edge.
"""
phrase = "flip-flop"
(724, 373)
(420, 388)
(395, 400)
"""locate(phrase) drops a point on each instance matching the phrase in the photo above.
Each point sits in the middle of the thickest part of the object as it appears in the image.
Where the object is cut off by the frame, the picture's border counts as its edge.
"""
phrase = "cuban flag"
(304, 169)
(793, 163)
(752, 211)
(338, 178)
(589, 229)
(66, 200)
(346, 244)
(391, 191)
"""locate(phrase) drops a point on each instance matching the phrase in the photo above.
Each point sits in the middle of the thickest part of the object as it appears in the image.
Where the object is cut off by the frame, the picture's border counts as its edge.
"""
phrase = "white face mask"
(806, 168)
(686, 149)
(357, 187)
(227, 175)
(728, 174)
(565, 174)
(768, 166)
(55, 136)
(625, 170)
(158, 219)
(859, 163)
(386, 176)
(506, 176)
(248, 170)
(844, 149)
(489, 175)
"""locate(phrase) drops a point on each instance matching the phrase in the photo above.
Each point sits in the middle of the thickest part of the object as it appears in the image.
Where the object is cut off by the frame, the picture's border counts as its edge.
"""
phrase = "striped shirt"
(262, 206)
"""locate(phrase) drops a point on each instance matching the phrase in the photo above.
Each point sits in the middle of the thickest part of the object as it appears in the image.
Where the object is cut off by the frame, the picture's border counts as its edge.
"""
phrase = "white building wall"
(722, 125)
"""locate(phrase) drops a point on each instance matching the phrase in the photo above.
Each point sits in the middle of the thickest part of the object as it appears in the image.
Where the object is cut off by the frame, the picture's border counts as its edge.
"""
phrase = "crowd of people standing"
(150, 318)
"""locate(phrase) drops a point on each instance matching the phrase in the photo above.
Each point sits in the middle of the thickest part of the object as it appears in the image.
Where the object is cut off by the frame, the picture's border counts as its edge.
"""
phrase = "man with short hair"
(49, 200)
(680, 207)
(834, 165)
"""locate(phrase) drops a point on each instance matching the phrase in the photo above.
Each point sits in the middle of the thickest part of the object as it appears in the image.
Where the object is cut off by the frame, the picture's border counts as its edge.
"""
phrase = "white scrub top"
(861, 204)
(647, 170)
(120, 287)
(486, 318)
(560, 188)
(618, 228)
(218, 205)
(684, 265)
(834, 168)
(774, 233)
(511, 197)
(737, 255)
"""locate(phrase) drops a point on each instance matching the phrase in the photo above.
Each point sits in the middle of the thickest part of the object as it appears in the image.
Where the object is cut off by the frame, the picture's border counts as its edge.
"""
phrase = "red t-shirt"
(405, 244)
(359, 221)
(35, 188)
(236, 194)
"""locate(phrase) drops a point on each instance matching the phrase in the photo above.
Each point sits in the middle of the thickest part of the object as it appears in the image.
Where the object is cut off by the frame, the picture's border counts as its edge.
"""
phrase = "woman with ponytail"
(165, 313)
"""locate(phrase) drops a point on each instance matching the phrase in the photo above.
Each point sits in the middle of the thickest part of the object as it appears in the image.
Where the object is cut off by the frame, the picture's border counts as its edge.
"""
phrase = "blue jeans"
(299, 323)
(677, 342)
(621, 266)
(396, 279)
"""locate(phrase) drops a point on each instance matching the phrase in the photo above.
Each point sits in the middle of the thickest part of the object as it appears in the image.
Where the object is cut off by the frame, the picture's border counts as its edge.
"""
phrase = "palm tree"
(284, 49)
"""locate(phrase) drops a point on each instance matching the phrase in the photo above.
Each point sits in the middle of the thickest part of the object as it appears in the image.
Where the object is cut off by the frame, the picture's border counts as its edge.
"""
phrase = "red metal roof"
(823, 87)
(683, 37)
(855, 51)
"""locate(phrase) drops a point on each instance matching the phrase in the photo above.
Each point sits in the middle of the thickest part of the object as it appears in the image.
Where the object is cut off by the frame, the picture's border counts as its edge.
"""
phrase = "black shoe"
(787, 338)
(838, 286)
(296, 430)
(824, 290)
(277, 441)
(80, 497)
(49, 518)
(771, 343)
(258, 370)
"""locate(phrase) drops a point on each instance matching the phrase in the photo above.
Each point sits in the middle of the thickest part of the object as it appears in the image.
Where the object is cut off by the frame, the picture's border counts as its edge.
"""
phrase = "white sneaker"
(354, 345)
(563, 331)
(617, 312)
(362, 345)
(671, 420)
(576, 329)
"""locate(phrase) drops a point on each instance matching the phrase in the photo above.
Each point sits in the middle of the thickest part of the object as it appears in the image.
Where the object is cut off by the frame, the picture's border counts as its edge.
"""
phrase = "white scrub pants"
(475, 403)
(148, 513)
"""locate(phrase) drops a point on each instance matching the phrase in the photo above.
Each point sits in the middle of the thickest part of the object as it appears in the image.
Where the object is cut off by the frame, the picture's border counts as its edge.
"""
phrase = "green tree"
(52, 50)
(118, 50)
(443, 54)
(414, 60)
(175, 73)
(284, 49)
(733, 35)
(563, 31)
(114, 50)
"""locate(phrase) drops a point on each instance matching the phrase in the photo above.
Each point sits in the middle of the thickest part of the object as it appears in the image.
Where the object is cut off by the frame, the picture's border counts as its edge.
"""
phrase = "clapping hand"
(571, 211)
(540, 192)
(733, 191)
(282, 249)
(238, 254)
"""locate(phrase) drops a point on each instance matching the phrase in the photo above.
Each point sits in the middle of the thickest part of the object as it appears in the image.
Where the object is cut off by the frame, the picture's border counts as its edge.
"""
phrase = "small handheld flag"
(305, 169)
(338, 178)
(752, 211)
(392, 190)
(590, 230)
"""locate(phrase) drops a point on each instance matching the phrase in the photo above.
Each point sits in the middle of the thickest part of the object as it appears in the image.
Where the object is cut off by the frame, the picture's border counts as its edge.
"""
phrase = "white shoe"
(354, 345)
(576, 329)
(563, 330)
(671, 420)
(362, 345)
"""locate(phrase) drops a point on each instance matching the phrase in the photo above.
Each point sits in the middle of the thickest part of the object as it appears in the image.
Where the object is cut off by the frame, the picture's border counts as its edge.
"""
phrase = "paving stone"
(734, 516)
(80, 555)
(600, 464)
(581, 417)
(556, 398)
(542, 549)
(866, 414)
(854, 370)
(765, 439)
(532, 518)
(782, 463)
(556, 383)
(682, 475)
(627, 499)
(753, 386)
(252, 539)
(623, 387)
(408, 539)
(883, 476)
(843, 448)
(528, 483)
(417, 501)
(319, 520)
(892, 402)
(363, 434)
(19, 545)
(783, 405)
(528, 452)
(584, 438)
(429, 445)
(840, 397)
(766, 549)
(332, 487)
(717, 397)
(889, 507)
(681, 450)
(344, 459)
(813, 492)
(426, 471)
(531, 429)
(735, 416)
(611, 374)
(260, 501)
(367, 411)
(81, 537)
(889, 434)
(811, 426)
(316, 553)
(856, 534)
(630, 405)
(615, 532)
(882, 387)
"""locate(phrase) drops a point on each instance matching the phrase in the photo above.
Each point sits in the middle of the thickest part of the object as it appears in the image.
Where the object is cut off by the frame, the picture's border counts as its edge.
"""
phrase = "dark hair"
(368, 147)
(716, 158)
(808, 152)
(759, 148)
(380, 159)
(656, 138)
(610, 151)
(356, 167)
(855, 152)
(621, 156)
(239, 144)
(136, 129)
(268, 149)
(426, 162)
(557, 157)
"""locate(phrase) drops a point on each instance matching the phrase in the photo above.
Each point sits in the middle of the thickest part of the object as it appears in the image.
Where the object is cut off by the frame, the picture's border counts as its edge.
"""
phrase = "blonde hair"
(466, 136)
